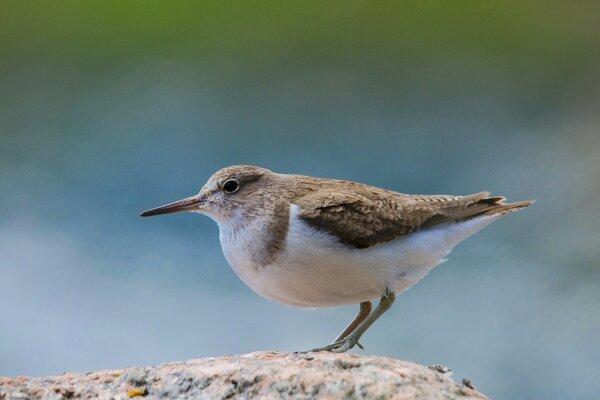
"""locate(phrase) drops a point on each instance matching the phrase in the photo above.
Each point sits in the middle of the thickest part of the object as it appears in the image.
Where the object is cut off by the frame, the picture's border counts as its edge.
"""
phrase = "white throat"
(245, 241)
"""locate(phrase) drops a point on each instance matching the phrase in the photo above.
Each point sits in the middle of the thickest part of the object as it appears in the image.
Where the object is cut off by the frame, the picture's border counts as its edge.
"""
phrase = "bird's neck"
(255, 238)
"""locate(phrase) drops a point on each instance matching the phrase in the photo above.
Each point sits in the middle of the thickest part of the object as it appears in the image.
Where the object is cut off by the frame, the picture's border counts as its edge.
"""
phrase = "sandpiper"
(315, 242)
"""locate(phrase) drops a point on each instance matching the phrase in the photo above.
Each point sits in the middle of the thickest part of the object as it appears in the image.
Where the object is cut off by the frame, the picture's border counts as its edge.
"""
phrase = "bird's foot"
(341, 346)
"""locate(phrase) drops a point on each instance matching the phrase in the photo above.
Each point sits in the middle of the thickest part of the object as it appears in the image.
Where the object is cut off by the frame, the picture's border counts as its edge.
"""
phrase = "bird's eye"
(231, 186)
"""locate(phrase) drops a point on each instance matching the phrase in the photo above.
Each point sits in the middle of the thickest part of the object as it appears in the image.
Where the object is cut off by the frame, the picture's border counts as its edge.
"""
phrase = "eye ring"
(231, 186)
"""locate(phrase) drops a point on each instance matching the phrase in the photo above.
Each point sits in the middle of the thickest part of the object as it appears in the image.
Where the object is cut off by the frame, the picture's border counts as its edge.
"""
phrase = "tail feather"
(502, 208)
(477, 205)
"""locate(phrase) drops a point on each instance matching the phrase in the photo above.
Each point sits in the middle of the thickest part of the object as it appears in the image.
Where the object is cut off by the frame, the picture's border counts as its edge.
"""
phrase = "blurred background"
(110, 108)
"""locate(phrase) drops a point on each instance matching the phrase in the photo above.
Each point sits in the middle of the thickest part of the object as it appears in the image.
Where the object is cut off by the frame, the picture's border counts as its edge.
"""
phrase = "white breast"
(315, 270)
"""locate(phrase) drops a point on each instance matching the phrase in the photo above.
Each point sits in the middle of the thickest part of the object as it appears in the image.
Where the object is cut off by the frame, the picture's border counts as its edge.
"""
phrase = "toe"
(341, 346)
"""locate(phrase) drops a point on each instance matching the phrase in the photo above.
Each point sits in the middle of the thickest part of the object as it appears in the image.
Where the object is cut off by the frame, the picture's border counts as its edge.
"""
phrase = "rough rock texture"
(265, 375)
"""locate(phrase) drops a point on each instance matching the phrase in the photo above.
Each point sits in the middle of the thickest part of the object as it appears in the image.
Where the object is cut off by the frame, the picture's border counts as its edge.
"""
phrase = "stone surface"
(265, 375)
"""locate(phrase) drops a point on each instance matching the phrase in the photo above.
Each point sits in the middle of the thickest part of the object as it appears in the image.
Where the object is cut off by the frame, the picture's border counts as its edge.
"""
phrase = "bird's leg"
(363, 312)
(345, 344)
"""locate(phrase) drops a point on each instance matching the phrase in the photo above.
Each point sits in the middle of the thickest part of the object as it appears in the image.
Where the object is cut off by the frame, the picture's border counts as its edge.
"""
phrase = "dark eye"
(231, 186)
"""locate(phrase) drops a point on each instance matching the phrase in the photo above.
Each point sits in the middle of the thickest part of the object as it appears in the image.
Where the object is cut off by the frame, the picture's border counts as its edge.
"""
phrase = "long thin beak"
(186, 204)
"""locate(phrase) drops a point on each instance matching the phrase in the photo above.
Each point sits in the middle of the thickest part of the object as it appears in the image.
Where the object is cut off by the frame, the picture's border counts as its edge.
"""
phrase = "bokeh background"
(110, 108)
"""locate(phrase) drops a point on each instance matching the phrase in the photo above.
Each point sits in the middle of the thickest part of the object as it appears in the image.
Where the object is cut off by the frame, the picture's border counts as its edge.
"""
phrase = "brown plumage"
(359, 215)
(362, 216)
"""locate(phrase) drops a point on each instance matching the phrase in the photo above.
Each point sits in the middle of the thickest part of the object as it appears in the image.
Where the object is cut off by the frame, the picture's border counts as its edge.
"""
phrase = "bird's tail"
(498, 207)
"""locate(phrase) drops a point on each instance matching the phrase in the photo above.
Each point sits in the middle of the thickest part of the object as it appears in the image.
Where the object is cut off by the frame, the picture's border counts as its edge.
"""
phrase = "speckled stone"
(265, 375)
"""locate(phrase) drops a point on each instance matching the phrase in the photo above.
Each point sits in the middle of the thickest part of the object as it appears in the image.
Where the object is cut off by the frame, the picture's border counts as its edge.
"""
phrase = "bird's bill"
(187, 204)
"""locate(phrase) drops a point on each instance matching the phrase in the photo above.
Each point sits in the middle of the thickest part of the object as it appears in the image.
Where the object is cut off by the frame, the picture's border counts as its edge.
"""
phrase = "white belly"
(315, 270)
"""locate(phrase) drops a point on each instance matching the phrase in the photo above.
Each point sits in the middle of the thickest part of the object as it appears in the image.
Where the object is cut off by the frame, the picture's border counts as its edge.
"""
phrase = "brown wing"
(363, 218)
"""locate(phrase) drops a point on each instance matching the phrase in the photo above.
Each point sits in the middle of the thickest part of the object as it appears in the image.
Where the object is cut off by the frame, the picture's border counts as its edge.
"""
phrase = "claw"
(341, 346)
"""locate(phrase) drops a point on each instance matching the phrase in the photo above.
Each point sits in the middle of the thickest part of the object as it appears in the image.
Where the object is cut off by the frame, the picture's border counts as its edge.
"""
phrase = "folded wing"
(368, 217)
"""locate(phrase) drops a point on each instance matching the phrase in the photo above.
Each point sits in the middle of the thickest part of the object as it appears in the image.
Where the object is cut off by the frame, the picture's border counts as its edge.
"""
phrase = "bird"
(315, 242)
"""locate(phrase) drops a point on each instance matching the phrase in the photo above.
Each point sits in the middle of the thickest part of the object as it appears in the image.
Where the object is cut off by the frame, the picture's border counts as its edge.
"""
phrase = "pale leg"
(364, 311)
(352, 338)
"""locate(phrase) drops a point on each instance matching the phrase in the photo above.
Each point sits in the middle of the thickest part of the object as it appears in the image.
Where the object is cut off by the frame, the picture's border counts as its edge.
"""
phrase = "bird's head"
(230, 192)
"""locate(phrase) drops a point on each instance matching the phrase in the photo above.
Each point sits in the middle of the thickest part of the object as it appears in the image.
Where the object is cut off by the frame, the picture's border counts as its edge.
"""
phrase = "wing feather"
(363, 216)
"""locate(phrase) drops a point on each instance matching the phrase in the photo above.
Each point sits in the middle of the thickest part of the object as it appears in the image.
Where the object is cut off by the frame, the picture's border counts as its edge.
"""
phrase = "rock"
(265, 375)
